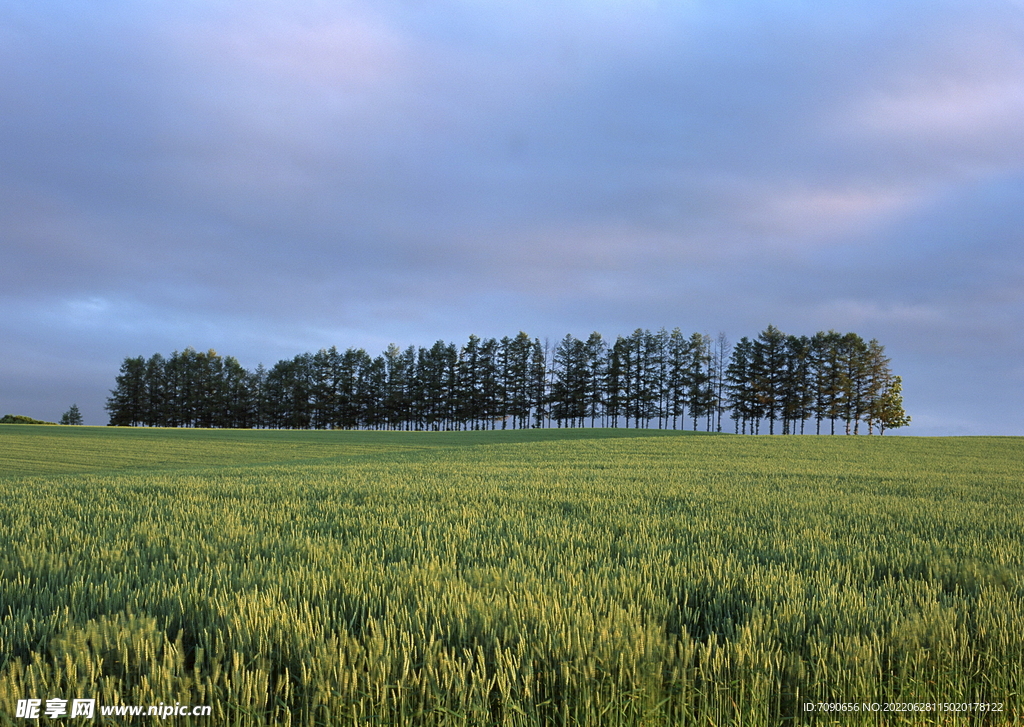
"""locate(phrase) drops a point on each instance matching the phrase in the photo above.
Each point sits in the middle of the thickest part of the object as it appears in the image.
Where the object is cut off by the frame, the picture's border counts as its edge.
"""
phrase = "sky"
(270, 178)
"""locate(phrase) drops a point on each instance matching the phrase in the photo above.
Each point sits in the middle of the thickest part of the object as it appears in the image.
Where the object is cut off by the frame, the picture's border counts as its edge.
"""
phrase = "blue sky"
(269, 178)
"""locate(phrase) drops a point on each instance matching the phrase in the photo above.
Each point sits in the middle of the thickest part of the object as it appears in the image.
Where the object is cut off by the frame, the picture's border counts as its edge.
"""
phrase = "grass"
(554, 577)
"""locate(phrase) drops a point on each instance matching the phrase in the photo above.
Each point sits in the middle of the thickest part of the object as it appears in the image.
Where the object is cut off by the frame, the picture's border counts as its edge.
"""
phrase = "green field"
(556, 577)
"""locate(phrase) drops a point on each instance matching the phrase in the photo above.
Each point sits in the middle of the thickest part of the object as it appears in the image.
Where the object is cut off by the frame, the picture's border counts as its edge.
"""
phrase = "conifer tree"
(515, 354)
(719, 364)
(699, 390)
(615, 381)
(371, 388)
(826, 378)
(125, 403)
(239, 404)
(538, 378)
(676, 348)
(768, 367)
(853, 380)
(568, 395)
(492, 395)
(740, 385)
(155, 395)
(72, 416)
(796, 383)
(596, 353)
(659, 367)
(399, 366)
(468, 404)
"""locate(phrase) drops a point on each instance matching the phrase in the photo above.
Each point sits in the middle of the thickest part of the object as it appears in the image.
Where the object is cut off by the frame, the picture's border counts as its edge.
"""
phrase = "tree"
(324, 371)
(698, 378)
(125, 402)
(492, 394)
(797, 386)
(514, 356)
(172, 391)
(854, 381)
(676, 351)
(538, 377)
(596, 356)
(637, 360)
(372, 388)
(239, 396)
(659, 366)
(888, 410)
(72, 416)
(469, 395)
(721, 356)
(400, 366)
(258, 395)
(615, 381)
(740, 386)
(154, 404)
(436, 379)
(649, 373)
(768, 368)
(826, 377)
(878, 376)
(568, 396)
(288, 388)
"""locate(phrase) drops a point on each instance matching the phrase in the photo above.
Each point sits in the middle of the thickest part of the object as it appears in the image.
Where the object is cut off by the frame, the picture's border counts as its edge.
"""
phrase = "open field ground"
(556, 577)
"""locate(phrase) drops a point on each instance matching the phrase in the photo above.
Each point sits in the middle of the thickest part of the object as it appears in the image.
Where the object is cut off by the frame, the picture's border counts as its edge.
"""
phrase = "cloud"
(291, 175)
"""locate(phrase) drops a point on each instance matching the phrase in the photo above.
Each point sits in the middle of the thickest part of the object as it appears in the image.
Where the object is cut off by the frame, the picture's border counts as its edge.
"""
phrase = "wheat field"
(548, 577)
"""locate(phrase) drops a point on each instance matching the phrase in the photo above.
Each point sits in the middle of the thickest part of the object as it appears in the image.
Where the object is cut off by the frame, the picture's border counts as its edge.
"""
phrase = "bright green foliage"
(549, 577)
(20, 419)
(888, 411)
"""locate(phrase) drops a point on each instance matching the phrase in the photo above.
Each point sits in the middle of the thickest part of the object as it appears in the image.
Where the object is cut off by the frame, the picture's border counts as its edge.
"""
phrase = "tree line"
(665, 380)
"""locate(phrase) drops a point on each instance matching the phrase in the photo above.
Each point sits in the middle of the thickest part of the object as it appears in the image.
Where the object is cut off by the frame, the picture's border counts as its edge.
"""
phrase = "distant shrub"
(19, 419)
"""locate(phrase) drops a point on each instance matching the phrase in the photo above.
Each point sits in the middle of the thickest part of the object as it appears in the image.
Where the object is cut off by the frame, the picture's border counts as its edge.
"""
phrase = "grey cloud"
(280, 176)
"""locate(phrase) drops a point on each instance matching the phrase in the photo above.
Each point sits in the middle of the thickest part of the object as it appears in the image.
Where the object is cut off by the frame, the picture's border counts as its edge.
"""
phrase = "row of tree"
(647, 379)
